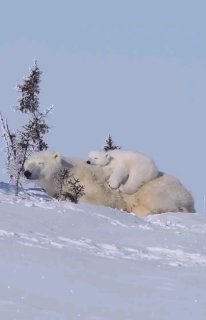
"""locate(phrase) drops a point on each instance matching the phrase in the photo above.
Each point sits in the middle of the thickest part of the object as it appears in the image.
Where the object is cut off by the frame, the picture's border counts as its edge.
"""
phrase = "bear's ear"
(56, 155)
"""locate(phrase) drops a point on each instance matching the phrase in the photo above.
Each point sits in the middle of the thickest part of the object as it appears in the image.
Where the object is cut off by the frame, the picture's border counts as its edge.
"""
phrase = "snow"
(62, 261)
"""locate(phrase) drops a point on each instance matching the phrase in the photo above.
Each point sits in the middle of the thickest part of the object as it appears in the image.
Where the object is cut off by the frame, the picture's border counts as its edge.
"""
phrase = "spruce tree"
(110, 145)
(30, 138)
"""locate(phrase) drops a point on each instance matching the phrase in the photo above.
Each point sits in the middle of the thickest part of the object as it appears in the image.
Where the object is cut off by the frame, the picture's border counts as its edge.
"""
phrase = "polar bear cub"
(130, 170)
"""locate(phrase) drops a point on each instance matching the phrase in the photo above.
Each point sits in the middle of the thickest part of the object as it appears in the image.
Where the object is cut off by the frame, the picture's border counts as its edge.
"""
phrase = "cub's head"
(42, 165)
(100, 157)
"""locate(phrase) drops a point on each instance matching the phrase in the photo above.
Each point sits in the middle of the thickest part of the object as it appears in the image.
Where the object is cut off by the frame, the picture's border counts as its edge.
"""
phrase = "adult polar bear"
(130, 170)
(164, 193)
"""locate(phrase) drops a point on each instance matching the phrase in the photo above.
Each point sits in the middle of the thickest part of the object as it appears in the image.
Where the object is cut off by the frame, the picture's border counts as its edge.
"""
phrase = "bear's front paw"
(113, 184)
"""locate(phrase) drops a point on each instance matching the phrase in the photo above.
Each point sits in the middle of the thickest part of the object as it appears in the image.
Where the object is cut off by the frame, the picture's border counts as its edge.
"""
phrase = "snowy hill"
(61, 261)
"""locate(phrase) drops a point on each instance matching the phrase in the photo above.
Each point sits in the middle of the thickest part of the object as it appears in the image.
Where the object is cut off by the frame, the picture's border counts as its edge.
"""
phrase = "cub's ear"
(108, 156)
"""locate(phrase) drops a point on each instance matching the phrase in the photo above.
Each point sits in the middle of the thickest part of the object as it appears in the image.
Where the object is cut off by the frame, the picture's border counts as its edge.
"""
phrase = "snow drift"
(63, 261)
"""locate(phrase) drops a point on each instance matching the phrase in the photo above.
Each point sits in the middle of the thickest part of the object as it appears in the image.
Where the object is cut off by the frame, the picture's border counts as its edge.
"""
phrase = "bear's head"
(100, 157)
(42, 165)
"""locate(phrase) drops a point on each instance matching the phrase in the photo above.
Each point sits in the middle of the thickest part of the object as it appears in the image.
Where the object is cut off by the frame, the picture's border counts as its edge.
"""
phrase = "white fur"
(130, 170)
(162, 194)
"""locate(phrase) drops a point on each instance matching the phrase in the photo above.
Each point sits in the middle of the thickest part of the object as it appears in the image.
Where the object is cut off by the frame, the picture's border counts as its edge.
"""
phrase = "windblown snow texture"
(61, 261)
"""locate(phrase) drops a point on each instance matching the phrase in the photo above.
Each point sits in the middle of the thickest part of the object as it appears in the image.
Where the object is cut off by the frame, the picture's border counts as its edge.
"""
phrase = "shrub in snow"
(62, 180)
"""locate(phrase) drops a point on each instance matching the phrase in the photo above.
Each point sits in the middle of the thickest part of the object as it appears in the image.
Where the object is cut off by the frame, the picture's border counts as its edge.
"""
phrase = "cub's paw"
(112, 183)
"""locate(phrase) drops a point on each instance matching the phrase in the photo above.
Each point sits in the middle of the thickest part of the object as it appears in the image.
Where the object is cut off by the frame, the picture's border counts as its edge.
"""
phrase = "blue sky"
(134, 69)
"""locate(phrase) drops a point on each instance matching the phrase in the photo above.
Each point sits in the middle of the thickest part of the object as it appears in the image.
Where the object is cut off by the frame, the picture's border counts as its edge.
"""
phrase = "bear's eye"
(41, 163)
(95, 158)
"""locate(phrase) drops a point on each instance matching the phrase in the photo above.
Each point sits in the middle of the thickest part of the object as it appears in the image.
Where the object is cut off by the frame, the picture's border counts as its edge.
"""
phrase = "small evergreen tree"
(30, 138)
(64, 180)
(77, 190)
(110, 144)
(59, 181)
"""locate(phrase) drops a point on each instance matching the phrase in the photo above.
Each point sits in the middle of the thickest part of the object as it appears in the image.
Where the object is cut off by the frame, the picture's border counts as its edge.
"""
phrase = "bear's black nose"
(27, 174)
(89, 162)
